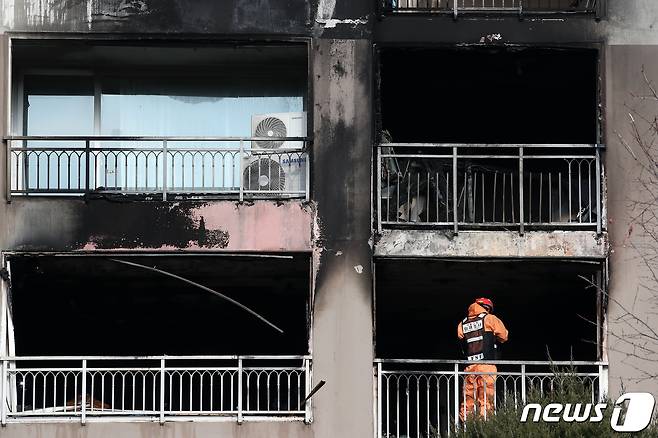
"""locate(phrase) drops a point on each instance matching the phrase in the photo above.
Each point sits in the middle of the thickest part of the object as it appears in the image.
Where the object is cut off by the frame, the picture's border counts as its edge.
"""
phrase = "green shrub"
(567, 389)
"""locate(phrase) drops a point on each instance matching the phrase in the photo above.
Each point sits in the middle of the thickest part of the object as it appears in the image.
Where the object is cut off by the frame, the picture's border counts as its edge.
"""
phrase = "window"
(210, 97)
(155, 90)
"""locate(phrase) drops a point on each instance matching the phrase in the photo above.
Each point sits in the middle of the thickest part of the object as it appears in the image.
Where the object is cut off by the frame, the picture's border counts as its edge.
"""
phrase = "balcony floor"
(503, 244)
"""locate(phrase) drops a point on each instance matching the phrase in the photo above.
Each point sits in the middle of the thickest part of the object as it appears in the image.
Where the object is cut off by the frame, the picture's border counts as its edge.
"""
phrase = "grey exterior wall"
(630, 281)
(338, 219)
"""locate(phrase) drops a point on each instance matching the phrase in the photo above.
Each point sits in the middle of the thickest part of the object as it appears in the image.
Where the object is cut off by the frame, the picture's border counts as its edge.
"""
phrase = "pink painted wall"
(261, 226)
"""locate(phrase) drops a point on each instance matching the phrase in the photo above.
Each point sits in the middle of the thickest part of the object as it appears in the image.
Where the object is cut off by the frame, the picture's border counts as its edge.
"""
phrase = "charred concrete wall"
(75, 225)
(632, 288)
(342, 338)
(140, 16)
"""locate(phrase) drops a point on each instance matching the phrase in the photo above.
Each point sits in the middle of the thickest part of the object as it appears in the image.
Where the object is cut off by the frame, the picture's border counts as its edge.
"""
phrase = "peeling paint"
(358, 269)
(491, 38)
(325, 9)
(121, 10)
(333, 22)
(582, 244)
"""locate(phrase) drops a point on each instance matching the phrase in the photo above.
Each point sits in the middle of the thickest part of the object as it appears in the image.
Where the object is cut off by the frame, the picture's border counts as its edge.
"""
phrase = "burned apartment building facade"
(356, 173)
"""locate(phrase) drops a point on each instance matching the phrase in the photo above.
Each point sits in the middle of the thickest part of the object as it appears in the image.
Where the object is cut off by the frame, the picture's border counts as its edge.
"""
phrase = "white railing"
(155, 388)
(456, 7)
(423, 398)
(250, 167)
(490, 186)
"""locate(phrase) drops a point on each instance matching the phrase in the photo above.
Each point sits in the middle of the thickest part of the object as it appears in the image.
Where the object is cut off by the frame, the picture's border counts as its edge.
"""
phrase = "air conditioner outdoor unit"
(278, 125)
(270, 165)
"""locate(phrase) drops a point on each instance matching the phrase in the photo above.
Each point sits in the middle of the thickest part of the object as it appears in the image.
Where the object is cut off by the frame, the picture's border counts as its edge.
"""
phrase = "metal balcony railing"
(239, 168)
(489, 186)
(422, 398)
(518, 7)
(155, 388)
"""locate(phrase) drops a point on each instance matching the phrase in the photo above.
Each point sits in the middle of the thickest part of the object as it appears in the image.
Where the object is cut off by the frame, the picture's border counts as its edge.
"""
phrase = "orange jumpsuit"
(481, 387)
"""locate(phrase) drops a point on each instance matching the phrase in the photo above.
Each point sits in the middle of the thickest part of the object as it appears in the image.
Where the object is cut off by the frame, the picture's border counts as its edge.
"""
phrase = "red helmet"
(486, 303)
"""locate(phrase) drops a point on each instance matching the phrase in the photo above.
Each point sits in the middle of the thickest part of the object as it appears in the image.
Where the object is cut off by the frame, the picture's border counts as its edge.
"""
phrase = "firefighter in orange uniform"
(480, 332)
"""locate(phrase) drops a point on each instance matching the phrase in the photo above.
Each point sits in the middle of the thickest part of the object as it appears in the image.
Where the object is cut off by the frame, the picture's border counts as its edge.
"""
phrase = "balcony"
(143, 346)
(158, 119)
(164, 388)
(515, 7)
(159, 167)
(421, 398)
(483, 186)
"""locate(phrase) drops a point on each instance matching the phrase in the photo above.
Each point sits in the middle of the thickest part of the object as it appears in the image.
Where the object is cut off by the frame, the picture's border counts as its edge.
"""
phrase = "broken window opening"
(489, 95)
(549, 310)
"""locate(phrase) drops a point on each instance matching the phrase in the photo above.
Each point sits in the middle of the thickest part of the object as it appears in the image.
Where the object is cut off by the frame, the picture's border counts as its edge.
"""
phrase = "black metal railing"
(487, 186)
(176, 166)
(520, 7)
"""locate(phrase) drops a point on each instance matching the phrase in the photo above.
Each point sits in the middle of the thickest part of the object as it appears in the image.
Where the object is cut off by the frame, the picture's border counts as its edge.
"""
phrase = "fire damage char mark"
(158, 225)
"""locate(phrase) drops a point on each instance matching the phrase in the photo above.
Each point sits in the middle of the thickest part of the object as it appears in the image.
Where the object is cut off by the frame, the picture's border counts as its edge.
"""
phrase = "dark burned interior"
(548, 309)
(489, 95)
(93, 306)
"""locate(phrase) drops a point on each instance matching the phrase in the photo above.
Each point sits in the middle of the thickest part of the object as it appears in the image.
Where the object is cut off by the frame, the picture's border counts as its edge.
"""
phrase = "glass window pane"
(56, 106)
(59, 105)
(188, 106)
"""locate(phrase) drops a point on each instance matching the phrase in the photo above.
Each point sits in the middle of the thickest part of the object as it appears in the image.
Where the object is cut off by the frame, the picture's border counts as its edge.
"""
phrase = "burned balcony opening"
(125, 342)
(155, 119)
(554, 323)
(119, 310)
(550, 311)
(499, 137)
(493, 95)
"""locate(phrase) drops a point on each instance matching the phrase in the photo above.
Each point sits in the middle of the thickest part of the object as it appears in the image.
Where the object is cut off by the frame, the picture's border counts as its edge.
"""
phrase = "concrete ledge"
(504, 244)
(52, 224)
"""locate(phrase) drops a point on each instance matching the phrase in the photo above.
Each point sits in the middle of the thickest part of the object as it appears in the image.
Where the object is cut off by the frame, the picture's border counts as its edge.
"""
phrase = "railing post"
(162, 391)
(240, 170)
(379, 189)
(456, 396)
(599, 224)
(523, 389)
(454, 189)
(308, 173)
(240, 360)
(308, 382)
(603, 383)
(87, 159)
(3, 396)
(83, 408)
(379, 400)
(600, 8)
(454, 9)
(521, 202)
(164, 170)
(520, 9)
(8, 171)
